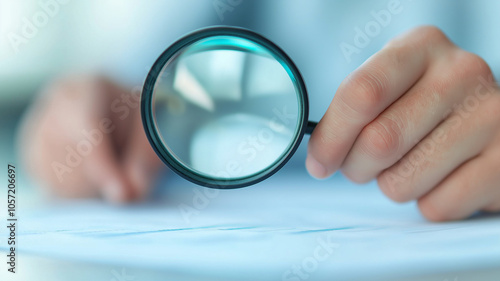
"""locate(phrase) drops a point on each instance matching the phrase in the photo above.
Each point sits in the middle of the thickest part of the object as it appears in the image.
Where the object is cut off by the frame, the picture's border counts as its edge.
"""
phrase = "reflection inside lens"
(225, 107)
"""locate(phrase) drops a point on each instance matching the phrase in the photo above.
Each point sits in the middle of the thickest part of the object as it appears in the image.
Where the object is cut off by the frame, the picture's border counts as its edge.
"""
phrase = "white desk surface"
(256, 233)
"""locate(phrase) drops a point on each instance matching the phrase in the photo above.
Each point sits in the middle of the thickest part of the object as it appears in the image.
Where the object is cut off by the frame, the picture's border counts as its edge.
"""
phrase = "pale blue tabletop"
(290, 227)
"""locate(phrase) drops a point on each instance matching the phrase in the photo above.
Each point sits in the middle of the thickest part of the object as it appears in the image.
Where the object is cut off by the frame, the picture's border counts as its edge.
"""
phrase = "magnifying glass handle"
(310, 127)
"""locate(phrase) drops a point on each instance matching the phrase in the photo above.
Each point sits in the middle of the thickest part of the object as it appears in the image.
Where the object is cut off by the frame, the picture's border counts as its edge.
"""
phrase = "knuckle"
(471, 65)
(432, 34)
(426, 37)
(382, 138)
(431, 211)
(366, 91)
(398, 52)
(373, 84)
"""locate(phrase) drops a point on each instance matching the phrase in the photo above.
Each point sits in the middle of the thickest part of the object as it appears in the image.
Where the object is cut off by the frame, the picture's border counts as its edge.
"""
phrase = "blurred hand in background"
(410, 101)
(83, 137)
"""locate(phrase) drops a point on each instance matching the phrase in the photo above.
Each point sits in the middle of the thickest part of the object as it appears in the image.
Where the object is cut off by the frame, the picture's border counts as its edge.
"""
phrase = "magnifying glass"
(225, 107)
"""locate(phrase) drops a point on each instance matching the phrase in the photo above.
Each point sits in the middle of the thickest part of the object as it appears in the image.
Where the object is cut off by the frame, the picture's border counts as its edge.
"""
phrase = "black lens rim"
(148, 117)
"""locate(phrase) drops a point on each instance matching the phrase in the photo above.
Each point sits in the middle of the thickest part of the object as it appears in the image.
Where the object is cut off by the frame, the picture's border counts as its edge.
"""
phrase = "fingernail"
(113, 192)
(315, 169)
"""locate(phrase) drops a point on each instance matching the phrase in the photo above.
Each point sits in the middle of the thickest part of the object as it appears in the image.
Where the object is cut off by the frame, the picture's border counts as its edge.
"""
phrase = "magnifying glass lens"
(226, 108)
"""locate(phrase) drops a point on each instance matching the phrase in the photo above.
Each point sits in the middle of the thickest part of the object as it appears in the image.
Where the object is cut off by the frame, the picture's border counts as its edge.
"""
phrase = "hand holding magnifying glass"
(225, 108)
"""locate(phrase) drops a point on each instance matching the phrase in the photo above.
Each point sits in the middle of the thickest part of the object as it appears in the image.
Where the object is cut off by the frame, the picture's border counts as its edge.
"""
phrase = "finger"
(459, 138)
(44, 153)
(101, 165)
(141, 162)
(117, 183)
(407, 121)
(493, 151)
(84, 105)
(367, 92)
(494, 205)
(476, 184)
